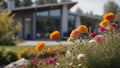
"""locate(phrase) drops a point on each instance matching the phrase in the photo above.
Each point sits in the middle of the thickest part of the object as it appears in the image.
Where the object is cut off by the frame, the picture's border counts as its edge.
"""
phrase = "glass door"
(45, 26)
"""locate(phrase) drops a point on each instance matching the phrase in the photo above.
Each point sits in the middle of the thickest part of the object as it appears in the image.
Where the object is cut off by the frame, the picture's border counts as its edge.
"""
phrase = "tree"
(27, 2)
(3, 4)
(7, 29)
(117, 18)
(65, 1)
(38, 2)
(18, 3)
(111, 6)
(78, 10)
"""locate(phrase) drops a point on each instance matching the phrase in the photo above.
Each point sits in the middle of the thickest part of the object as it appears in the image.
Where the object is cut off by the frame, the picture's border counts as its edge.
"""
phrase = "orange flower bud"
(54, 35)
(83, 29)
(40, 46)
(104, 23)
(75, 33)
(109, 16)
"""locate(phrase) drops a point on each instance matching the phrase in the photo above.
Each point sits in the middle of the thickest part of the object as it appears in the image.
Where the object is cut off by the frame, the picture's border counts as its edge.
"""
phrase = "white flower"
(57, 63)
(68, 53)
(70, 64)
(79, 65)
(80, 56)
(92, 41)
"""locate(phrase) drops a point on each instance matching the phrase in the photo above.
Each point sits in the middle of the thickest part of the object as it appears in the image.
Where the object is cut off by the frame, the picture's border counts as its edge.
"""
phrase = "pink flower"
(75, 33)
(102, 29)
(50, 61)
(54, 59)
(35, 61)
(93, 34)
(99, 39)
(114, 25)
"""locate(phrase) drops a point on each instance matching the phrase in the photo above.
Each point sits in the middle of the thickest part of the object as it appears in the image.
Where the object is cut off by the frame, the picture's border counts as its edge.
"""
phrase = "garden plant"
(101, 50)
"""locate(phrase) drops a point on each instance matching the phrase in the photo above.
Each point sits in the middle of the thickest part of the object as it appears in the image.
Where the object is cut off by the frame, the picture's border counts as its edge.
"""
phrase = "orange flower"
(70, 39)
(109, 16)
(48, 49)
(83, 29)
(104, 23)
(19, 55)
(75, 33)
(40, 46)
(54, 35)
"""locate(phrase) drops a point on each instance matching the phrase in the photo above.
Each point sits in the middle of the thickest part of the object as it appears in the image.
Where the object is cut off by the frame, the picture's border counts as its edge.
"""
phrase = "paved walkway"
(48, 43)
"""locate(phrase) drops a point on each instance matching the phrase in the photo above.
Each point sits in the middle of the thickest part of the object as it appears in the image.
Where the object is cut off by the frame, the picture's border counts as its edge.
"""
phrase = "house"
(39, 21)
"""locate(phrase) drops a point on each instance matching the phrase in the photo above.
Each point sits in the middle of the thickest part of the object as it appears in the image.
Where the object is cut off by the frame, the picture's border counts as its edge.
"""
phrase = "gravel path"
(48, 43)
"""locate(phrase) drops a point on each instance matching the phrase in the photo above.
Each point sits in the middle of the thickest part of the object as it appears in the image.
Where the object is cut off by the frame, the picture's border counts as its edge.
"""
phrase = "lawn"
(18, 49)
(15, 49)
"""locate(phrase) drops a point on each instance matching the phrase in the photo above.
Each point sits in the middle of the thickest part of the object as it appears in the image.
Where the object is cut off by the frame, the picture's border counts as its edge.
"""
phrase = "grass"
(18, 49)
(15, 49)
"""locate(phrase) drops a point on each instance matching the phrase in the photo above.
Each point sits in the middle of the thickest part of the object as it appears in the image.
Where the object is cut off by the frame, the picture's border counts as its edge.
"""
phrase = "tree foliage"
(111, 6)
(117, 18)
(3, 4)
(18, 3)
(7, 27)
(27, 2)
(38, 2)
(65, 1)
(78, 10)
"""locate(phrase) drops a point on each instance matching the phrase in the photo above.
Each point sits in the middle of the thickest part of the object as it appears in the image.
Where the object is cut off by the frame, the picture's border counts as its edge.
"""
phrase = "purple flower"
(102, 29)
(114, 25)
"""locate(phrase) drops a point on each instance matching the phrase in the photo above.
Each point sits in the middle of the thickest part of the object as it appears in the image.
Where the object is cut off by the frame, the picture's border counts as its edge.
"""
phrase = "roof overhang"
(43, 7)
(86, 16)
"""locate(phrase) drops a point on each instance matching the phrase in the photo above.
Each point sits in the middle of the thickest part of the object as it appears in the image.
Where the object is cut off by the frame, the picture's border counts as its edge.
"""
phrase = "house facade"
(39, 21)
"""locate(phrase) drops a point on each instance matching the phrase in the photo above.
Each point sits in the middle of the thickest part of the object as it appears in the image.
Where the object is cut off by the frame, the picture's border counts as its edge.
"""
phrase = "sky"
(96, 6)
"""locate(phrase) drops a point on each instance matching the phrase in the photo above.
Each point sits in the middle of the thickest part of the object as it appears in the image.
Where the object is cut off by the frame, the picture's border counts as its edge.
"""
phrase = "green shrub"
(10, 57)
(8, 29)
(1, 57)
(7, 57)
(7, 43)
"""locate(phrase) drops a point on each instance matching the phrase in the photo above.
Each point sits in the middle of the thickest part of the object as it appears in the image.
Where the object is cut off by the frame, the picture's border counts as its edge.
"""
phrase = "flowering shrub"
(102, 51)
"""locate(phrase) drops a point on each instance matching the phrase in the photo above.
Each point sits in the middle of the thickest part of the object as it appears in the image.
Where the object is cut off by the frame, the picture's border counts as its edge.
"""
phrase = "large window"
(71, 22)
(46, 23)
(55, 13)
(43, 13)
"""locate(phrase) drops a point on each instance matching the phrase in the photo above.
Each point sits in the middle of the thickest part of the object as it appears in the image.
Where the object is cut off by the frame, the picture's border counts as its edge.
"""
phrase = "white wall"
(64, 24)
(78, 20)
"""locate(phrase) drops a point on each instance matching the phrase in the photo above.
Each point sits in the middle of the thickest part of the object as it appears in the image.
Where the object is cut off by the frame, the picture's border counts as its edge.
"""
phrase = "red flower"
(92, 35)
